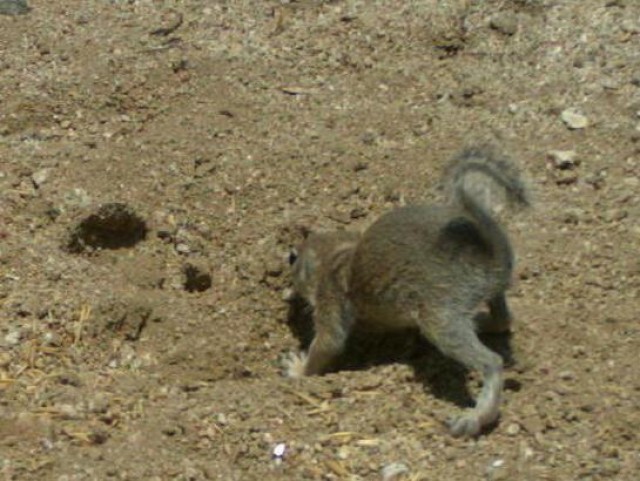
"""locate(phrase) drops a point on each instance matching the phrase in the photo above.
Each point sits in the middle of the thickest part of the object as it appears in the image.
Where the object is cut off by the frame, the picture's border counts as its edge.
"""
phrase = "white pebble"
(13, 338)
(574, 119)
(513, 429)
(279, 450)
(393, 470)
(563, 159)
(183, 248)
(40, 177)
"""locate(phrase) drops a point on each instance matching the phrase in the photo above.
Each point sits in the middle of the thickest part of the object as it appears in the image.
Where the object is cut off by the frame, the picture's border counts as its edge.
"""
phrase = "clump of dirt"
(112, 226)
(123, 316)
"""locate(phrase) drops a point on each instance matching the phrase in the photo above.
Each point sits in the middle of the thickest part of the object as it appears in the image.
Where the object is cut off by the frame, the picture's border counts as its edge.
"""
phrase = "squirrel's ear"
(293, 256)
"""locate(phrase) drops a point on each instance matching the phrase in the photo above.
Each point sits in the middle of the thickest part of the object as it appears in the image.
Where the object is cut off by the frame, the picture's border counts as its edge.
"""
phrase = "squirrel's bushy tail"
(473, 179)
(482, 169)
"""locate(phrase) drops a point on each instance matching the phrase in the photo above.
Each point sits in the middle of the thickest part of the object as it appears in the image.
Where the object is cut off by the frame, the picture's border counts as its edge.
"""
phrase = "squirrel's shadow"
(441, 376)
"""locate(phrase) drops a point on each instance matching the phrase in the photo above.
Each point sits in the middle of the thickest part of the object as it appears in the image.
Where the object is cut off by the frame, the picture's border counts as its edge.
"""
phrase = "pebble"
(13, 338)
(567, 375)
(221, 419)
(506, 23)
(183, 248)
(69, 412)
(14, 7)
(77, 198)
(610, 84)
(513, 429)
(394, 471)
(343, 453)
(574, 119)
(496, 471)
(51, 339)
(40, 177)
(563, 159)
(279, 450)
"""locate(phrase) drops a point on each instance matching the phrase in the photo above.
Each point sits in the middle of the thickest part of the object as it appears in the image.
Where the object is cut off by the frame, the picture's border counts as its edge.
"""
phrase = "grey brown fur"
(424, 266)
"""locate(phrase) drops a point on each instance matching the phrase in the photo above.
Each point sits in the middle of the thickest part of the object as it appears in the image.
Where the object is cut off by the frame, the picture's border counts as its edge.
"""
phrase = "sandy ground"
(159, 158)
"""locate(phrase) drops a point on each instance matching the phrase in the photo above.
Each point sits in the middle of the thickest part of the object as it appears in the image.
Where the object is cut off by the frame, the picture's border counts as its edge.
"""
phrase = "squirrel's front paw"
(295, 364)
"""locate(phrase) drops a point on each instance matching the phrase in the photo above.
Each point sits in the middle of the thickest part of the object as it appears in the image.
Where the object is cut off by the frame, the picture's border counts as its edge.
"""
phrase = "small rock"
(527, 452)
(563, 159)
(505, 22)
(69, 412)
(610, 84)
(14, 7)
(496, 471)
(221, 419)
(513, 429)
(574, 119)
(394, 471)
(40, 177)
(343, 453)
(77, 198)
(567, 376)
(279, 450)
(13, 338)
(183, 248)
(51, 339)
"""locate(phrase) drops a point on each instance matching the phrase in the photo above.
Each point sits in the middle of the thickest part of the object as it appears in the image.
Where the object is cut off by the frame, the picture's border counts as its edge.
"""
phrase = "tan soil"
(144, 339)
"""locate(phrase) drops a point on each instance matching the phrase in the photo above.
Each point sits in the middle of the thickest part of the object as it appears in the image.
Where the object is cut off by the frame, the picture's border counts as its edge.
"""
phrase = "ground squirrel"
(424, 266)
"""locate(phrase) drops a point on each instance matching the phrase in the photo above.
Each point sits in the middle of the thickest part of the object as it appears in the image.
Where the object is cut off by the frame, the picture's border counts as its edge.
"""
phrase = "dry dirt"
(157, 160)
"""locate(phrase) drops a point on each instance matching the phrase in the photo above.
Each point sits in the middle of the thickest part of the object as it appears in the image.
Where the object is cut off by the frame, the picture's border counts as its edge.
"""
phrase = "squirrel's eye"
(293, 256)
